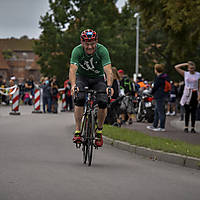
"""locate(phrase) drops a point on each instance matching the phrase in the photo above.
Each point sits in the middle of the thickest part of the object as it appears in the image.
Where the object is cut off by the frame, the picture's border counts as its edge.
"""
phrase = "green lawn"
(153, 142)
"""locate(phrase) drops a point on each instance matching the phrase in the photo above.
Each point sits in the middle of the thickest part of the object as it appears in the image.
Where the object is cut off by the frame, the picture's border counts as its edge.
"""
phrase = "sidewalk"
(174, 130)
(176, 123)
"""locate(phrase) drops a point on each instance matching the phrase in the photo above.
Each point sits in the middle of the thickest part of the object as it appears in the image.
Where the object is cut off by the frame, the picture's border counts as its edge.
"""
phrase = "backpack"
(167, 87)
(126, 84)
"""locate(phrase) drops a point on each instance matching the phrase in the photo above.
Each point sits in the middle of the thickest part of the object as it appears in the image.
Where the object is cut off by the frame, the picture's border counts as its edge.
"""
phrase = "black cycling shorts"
(97, 84)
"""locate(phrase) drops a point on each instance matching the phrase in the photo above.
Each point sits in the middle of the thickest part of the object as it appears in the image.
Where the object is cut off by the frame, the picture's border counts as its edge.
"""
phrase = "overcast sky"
(21, 17)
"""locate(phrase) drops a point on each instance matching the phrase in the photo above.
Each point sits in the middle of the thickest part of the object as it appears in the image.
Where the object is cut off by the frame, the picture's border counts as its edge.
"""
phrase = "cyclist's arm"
(109, 74)
(72, 76)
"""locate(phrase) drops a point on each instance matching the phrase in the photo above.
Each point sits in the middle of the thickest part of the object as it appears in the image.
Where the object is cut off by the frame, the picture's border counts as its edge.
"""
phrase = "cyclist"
(89, 64)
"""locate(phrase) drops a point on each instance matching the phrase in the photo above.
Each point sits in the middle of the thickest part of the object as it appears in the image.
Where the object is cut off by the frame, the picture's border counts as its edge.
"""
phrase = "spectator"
(191, 93)
(11, 82)
(113, 110)
(46, 95)
(160, 95)
(54, 89)
(126, 85)
(13, 78)
(29, 89)
(21, 86)
(41, 89)
(68, 96)
(128, 89)
(54, 80)
(4, 98)
(116, 83)
(171, 106)
(140, 84)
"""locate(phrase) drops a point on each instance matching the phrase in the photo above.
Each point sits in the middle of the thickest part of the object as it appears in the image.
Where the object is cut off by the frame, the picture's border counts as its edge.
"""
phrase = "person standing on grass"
(160, 92)
(191, 93)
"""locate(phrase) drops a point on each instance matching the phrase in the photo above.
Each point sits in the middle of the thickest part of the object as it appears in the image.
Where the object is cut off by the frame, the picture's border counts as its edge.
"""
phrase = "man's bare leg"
(123, 117)
(101, 116)
(78, 114)
(130, 116)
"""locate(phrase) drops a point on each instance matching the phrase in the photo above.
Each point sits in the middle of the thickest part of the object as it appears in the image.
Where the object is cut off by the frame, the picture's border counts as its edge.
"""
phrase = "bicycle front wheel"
(91, 137)
(84, 128)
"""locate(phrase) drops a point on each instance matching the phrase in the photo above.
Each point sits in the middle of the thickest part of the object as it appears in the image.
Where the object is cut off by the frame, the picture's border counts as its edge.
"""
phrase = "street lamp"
(137, 16)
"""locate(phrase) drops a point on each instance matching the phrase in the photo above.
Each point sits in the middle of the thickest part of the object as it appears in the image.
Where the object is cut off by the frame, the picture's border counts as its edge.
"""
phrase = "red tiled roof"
(3, 63)
(17, 44)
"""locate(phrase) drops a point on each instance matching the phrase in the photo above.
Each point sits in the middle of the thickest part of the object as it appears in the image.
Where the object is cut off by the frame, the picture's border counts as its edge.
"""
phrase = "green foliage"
(56, 41)
(169, 33)
(52, 57)
(177, 22)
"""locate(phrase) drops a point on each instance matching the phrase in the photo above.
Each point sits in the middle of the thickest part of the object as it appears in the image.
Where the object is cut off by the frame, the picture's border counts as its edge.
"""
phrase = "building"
(17, 58)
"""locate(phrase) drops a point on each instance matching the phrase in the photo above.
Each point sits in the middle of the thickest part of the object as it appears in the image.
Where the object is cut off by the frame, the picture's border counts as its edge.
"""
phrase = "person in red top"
(68, 96)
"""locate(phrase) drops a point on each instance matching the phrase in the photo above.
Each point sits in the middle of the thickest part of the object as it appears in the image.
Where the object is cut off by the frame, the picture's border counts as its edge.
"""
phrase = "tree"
(172, 29)
(52, 58)
(24, 37)
(61, 28)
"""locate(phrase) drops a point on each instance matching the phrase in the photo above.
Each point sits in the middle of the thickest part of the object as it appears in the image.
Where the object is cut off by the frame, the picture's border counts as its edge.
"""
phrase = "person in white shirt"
(191, 93)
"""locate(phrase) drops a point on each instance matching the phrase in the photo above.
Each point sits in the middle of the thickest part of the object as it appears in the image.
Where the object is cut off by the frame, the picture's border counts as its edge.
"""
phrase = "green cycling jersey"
(90, 66)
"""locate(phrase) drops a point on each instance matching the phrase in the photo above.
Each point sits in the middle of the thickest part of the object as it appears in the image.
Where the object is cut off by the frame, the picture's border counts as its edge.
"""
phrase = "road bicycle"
(88, 124)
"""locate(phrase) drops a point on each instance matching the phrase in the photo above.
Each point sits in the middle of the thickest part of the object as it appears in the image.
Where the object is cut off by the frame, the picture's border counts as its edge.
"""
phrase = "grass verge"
(153, 142)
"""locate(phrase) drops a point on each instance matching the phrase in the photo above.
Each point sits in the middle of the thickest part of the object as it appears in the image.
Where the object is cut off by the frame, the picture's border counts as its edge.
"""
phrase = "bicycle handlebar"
(87, 90)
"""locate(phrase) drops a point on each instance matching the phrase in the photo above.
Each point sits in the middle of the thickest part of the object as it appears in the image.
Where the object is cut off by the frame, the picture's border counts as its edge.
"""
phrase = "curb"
(173, 158)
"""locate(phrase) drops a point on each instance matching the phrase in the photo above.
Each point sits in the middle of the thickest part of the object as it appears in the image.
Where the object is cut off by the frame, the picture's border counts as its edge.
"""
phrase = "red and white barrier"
(64, 106)
(36, 104)
(15, 103)
(8, 91)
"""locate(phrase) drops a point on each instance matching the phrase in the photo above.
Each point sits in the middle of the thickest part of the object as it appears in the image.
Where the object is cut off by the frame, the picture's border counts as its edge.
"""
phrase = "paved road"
(39, 161)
